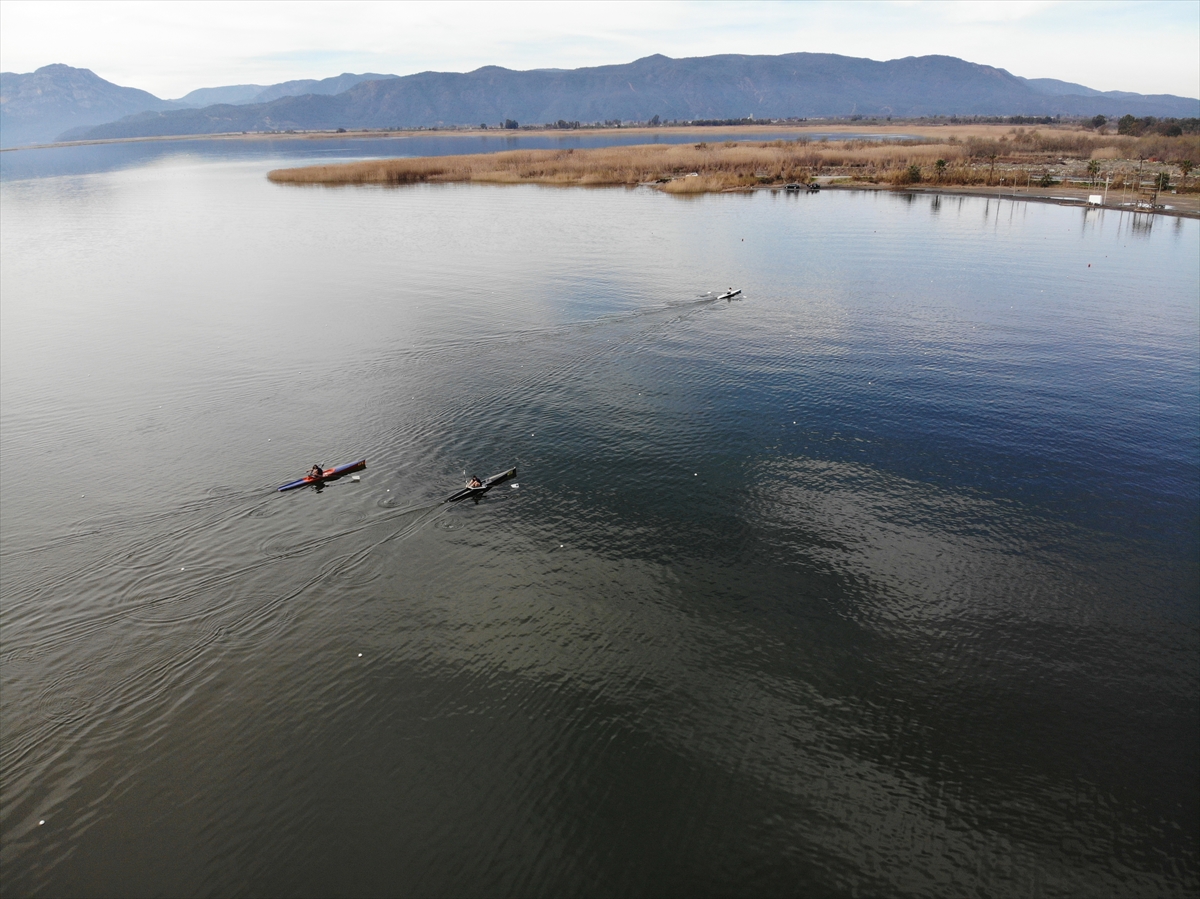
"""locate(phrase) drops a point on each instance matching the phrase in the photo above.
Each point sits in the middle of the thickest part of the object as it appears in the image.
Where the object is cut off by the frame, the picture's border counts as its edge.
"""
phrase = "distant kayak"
(330, 474)
(730, 294)
(483, 488)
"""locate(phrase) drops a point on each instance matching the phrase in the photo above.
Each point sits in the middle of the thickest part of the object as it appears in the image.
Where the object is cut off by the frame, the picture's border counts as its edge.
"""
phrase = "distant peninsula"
(977, 156)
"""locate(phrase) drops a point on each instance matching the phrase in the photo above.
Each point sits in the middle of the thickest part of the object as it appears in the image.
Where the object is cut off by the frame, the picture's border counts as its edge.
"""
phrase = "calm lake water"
(92, 158)
(883, 579)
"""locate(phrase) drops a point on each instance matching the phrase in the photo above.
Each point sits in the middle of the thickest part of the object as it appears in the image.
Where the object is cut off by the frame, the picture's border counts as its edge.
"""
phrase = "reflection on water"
(81, 159)
(881, 580)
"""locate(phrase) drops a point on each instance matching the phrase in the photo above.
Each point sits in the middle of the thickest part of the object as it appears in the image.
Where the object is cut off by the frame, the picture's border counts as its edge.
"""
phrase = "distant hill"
(241, 94)
(326, 86)
(230, 93)
(38, 106)
(714, 87)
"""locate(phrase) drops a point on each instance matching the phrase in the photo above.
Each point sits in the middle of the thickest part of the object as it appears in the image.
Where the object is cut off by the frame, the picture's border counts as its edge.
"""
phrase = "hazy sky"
(170, 48)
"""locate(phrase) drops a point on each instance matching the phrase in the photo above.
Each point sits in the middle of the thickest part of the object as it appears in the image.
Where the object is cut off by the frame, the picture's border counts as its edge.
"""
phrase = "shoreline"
(894, 130)
(1057, 196)
(950, 167)
(912, 138)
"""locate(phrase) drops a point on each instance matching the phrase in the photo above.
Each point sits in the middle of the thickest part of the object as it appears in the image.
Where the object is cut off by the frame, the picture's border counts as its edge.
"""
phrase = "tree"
(1185, 166)
(940, 165)
(1098, 122)
(510, 124)
(1094, 169)
(655, 121)
(1127, 124)
(913, 174)
(1162, 181)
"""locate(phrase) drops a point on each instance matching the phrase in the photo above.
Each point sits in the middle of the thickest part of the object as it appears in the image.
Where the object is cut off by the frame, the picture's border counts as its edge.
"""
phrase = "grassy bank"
(1017, 156)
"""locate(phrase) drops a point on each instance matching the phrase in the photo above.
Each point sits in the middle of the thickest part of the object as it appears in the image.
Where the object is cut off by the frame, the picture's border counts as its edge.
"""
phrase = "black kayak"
(487, 485)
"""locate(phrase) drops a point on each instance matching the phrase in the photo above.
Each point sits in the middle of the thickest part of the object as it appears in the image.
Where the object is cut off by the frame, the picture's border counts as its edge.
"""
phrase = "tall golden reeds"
(707, 167)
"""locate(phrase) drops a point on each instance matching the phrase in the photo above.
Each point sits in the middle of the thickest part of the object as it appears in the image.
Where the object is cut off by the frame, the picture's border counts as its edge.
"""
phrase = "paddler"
(474, 482)
(316, 472)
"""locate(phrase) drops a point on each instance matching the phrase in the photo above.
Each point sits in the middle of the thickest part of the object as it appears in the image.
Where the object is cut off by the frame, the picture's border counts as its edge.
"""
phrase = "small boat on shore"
(729, 295)
(329, 474)
(484, 487)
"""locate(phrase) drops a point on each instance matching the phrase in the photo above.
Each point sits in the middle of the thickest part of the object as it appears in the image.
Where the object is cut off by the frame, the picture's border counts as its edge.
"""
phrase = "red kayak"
(330, 474)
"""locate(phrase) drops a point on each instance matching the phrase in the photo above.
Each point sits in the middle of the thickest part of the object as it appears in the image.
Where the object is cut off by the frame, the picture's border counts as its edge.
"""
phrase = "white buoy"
(355, 478)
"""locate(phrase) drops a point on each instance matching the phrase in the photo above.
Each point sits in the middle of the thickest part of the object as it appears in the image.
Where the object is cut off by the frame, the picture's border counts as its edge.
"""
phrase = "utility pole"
(1107, 178)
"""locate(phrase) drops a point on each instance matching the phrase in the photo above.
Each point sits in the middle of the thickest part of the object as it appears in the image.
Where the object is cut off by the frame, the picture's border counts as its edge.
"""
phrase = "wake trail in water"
(132, 571)
(132, 579)
(542, 378)
(69, 712)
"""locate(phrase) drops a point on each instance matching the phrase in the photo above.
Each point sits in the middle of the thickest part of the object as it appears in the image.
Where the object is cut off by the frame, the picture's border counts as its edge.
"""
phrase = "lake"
(880, 579)
(284, 150)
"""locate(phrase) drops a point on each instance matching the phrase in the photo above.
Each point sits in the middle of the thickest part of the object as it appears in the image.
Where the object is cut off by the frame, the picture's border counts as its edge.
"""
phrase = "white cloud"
(171, 48)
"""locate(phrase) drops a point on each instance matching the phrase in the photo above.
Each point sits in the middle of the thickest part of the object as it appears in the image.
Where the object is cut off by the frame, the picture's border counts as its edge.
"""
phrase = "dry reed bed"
(704, 167)
(729, 165)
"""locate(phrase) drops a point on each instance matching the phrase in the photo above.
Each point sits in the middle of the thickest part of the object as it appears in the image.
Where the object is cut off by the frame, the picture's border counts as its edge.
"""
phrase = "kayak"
(488, 484)
(730, 295)
(330, 474)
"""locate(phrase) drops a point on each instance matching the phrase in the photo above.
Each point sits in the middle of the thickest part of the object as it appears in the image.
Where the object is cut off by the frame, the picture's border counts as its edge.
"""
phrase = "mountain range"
(60, 102)
(240, 94)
